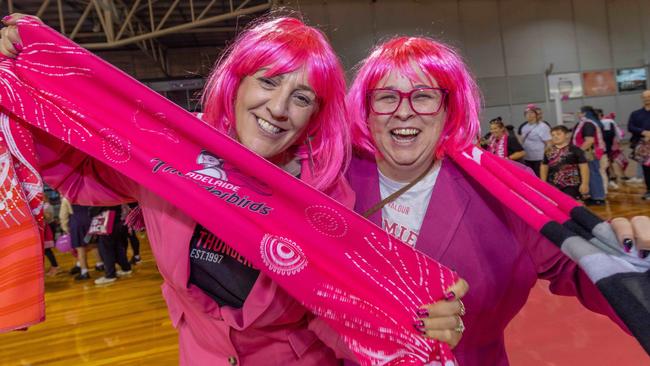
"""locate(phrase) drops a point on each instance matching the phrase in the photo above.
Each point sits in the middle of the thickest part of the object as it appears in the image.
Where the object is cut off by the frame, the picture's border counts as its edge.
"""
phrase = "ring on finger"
(461, 311)
(460, 328)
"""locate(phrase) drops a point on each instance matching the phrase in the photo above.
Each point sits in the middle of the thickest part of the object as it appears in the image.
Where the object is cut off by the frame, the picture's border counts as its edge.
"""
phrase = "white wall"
(507, 43)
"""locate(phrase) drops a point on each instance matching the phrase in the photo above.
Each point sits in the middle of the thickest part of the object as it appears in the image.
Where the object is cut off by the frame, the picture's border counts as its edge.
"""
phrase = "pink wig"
(437, 61)
(285, 45)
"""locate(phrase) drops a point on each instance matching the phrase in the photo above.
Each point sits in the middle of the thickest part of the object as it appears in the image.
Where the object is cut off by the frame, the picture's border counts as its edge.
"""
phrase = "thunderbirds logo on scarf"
(214, 179)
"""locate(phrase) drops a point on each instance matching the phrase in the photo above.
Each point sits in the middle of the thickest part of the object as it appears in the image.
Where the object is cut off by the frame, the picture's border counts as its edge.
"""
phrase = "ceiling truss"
(115, 24)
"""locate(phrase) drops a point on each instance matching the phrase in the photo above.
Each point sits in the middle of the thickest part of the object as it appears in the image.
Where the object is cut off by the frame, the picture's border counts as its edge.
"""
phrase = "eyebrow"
(418, 86)
(305, 88)
(299, 87)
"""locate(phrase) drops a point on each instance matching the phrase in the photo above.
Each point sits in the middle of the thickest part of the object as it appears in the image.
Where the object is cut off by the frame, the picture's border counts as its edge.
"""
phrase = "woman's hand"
(10, 42)
(442, 320)
(583, 189)
(634, 232)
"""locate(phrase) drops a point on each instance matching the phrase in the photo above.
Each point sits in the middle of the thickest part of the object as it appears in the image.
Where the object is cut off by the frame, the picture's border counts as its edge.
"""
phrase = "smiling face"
(496, 129)
(272, 113)
(405, 140)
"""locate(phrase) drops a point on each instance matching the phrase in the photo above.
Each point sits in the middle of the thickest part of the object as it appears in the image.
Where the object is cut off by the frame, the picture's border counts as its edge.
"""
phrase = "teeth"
(405, 131)
(266, 126)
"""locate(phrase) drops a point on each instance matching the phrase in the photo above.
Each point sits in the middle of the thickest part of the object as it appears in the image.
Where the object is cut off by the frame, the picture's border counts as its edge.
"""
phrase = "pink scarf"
(309, 244)
(620, 275)
(599, 142)
(499, 146)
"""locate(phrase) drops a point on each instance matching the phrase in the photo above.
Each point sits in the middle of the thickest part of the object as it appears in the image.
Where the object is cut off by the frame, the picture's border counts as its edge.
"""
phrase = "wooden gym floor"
(126, 323)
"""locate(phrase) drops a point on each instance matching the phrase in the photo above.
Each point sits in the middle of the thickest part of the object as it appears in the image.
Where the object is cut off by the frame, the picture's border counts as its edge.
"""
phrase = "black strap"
(379, 205)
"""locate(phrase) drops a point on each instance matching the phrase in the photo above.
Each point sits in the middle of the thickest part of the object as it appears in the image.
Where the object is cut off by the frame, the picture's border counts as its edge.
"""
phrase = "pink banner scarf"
(309, 244)
(622, 276)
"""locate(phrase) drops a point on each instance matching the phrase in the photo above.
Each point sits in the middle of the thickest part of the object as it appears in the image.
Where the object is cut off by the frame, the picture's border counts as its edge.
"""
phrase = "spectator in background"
(75, 220)
(534, 136)
(639, 126)
(588, 136)
(48, 217)
(540, 116)
(502, 143)
(565, 165)
(112, 247)
(612, 135)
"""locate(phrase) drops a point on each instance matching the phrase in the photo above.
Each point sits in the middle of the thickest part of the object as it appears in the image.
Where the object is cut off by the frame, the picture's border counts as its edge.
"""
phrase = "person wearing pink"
(412, 104)
(280, 91)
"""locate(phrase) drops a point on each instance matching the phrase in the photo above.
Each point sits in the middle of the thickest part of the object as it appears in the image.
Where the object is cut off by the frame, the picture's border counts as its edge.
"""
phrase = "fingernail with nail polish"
(644, 253)
(18, 47)
(450, 296)
(628, 243)
(6, 18)
(418, 323)
(423, 312)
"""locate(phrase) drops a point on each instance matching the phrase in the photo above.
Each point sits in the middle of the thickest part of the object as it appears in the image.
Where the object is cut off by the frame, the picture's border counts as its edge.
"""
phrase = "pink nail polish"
(18, 47)
(423, 312)
(6, 18)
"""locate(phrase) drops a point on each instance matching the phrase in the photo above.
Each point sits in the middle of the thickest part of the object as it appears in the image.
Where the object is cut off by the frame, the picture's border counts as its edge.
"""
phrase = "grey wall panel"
(521, 35)
(352, 33)
(527, 88)
(479, 27)
(627, 104)
(592, 34)
(437, 19)
(558, 38)
(625, 32)
(494, 91)
(644, 12)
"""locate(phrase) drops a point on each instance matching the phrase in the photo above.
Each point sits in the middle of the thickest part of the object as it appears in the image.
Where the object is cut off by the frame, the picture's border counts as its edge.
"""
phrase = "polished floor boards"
(126, 323)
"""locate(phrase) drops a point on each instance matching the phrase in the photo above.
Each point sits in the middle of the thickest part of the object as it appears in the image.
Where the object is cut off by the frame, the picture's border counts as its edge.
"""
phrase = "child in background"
(565, 165)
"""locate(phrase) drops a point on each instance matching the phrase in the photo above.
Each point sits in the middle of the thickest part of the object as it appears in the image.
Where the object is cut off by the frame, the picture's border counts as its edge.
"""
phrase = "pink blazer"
(270, 329)
(468, 230)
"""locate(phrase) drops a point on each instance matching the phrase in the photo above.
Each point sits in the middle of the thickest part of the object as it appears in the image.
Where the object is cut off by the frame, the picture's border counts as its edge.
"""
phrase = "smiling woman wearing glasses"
(412, 104)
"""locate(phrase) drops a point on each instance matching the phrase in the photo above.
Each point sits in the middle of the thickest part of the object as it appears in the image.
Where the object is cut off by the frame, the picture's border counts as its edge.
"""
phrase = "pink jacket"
(494, 250)
(270, 329)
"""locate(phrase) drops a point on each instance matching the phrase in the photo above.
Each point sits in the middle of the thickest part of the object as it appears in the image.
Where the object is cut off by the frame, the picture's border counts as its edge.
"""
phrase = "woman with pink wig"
(279, 90)
(413, 105)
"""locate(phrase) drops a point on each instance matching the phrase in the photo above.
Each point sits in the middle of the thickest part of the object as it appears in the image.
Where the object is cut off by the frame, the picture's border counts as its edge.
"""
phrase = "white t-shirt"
(534, 137)
(402, 218)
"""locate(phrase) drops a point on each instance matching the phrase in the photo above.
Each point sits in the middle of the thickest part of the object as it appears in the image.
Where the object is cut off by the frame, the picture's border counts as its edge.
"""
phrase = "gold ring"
(460, 328)
(461, 311)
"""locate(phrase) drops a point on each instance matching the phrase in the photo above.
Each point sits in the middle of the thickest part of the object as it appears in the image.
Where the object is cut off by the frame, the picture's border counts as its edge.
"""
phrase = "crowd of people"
(70, 228)
(585, 160)
(280, 91)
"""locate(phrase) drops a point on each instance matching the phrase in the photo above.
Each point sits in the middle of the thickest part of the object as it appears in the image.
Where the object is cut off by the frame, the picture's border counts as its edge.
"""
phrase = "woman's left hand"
(443, 320)
(634, 232)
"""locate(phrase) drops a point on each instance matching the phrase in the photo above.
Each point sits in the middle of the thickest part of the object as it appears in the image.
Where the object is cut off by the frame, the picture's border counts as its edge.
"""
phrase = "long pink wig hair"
(437, 61)
(284, 45)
